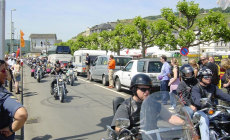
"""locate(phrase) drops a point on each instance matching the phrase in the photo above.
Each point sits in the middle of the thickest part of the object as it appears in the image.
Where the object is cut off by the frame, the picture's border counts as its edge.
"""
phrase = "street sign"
(184, 51)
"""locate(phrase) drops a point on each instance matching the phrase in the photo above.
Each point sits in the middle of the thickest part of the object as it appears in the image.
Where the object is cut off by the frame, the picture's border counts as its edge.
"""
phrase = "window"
(99, 61)
(104, 61)
(128, 67)
(141, 66)
(122, 61)
(63, 50)
(154, 67)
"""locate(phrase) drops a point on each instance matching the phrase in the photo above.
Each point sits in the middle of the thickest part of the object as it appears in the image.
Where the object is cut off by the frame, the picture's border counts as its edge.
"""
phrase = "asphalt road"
(86, 110)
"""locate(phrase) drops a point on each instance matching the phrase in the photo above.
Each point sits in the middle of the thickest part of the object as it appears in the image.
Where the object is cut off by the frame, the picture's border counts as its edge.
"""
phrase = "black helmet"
(185, 69)
(140, 79)
(205, 71)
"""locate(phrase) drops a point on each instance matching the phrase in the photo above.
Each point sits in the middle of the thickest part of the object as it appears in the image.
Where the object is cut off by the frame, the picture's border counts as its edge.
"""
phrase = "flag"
(22, 41)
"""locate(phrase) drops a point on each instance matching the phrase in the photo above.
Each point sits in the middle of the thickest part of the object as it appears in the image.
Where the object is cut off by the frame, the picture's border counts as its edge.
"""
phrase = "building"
(41, 43)
(16, 44)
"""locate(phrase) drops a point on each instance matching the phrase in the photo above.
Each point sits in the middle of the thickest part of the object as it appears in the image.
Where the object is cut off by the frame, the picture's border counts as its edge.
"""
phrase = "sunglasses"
(145, 89)
(207, 77)
(202, 59)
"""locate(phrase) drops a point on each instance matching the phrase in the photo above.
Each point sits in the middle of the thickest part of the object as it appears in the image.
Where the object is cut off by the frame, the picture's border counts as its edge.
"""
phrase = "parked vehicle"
(80, 57)
(151, 67)
(59, 90)
(61, 57)
(99, 69)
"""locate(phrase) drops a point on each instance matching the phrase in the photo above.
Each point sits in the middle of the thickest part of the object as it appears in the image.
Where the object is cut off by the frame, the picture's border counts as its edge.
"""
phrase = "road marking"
(103, 87)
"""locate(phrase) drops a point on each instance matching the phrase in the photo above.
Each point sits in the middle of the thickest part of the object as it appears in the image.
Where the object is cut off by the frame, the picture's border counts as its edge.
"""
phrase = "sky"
(67, 18)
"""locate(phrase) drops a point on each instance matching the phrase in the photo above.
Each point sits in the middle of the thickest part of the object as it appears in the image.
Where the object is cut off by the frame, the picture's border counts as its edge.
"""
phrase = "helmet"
(205, 71)
(57, 61)
(140, 79)
(185, 69)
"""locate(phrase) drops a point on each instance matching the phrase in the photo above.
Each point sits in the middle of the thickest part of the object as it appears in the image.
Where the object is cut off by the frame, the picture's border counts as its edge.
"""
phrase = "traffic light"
(22, 41)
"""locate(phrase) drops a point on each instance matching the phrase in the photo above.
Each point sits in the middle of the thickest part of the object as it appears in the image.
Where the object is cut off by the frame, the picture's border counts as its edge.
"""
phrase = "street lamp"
(11, 33)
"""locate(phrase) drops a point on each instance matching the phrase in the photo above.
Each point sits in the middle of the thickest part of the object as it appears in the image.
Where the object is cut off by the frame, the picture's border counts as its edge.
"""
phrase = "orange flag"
(22, 41)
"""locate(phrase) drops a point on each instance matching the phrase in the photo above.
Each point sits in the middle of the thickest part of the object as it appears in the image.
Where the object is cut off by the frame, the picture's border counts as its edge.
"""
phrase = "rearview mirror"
(122, 123)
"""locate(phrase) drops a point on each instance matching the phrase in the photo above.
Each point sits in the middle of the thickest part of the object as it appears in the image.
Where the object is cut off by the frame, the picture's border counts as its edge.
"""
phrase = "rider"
(70, 65)
(141, 86)
(57, 70)
(185, 87)
(204, 89)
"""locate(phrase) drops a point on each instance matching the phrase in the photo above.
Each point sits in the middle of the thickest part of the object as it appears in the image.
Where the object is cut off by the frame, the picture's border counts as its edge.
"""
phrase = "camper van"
(80, 57)
(63, 58)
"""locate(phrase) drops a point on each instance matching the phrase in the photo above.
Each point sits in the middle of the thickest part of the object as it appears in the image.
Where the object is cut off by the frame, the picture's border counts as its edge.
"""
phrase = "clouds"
(67, 18)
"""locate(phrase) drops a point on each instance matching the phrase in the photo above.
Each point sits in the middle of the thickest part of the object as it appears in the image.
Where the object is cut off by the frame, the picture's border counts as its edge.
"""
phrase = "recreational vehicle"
(64, 58)
(80, 57)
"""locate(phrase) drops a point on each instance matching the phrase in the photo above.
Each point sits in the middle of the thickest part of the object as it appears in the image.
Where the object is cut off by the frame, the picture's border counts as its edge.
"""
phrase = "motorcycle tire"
(32, 74)
(61, 96)
(72, 82)
(39, 79)
(116, 103)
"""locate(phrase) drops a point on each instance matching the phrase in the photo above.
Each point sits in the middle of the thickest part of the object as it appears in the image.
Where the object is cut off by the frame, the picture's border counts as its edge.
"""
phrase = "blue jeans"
(164, 91)
(203, 125)
(172, 98)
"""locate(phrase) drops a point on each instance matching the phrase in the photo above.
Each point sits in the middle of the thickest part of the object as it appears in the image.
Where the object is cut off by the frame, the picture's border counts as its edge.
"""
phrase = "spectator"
(87, 62)
(164, 78)
(10, 63)
(174, 82)
(17, 76)
(13, 115)
(225, 80)
(195, 66)
(213, 67)
(111, 68)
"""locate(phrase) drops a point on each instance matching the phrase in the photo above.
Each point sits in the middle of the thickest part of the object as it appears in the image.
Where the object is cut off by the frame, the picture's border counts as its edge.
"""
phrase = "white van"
(80, 57)
(64, 58)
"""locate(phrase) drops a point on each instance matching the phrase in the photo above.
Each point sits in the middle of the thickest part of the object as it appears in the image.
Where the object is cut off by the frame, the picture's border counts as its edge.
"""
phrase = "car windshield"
(122, 61)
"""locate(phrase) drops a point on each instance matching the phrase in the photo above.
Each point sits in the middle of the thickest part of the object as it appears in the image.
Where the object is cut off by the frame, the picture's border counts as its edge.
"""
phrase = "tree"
(104, 40)
(189, 30)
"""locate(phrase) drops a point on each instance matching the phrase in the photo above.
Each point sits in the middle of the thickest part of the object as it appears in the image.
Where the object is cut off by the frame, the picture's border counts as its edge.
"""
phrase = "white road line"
(103, 87)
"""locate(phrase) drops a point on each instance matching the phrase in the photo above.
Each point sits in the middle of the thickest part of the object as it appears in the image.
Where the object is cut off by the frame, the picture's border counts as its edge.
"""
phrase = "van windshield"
(122, 61)
(63, 50)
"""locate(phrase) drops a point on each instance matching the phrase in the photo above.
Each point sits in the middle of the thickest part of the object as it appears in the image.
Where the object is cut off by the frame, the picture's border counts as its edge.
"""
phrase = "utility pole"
(12, 31)
(2, 29)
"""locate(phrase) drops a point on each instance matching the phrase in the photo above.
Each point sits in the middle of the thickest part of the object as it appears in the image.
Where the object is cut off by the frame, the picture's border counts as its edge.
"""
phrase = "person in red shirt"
(111, 68)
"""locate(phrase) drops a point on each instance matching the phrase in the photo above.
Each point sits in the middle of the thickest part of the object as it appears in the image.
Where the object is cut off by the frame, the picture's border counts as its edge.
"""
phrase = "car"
(99, 69)
(151, 67)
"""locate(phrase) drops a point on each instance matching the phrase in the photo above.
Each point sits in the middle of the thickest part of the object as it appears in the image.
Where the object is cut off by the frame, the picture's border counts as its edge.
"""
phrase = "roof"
(43, 36)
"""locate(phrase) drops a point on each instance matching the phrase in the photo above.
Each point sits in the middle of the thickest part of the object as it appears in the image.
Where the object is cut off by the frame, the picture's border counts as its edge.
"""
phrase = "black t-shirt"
(225, 78)
(88, 60)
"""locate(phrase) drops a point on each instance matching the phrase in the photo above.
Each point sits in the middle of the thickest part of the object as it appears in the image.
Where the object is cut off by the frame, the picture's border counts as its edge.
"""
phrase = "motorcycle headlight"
(60, 80)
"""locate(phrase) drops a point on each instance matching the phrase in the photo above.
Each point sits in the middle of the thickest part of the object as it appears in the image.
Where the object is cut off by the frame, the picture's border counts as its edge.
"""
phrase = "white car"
(122, 78)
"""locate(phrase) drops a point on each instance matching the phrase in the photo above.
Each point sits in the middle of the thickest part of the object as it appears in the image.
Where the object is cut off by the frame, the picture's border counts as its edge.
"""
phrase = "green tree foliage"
(190, 31)
(105, 40)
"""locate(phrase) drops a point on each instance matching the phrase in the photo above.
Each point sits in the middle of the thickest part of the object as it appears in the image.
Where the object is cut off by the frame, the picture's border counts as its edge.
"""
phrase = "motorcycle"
(70, 76)
(219, 119)
(152, 126)
(38, 74)
(59, 91)
(32, 69)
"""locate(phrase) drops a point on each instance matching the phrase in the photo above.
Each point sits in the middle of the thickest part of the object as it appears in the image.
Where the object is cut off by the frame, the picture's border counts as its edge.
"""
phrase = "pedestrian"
(212, 66)
(111, 67)
(174, 82)
(12, 114)
(87, 63)
(10, 63)
(164, 78)
(225, 80)
(16, 72)
(195, 66)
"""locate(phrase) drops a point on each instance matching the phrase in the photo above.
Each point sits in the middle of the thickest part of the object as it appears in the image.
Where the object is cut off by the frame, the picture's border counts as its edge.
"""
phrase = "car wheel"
(104, 82)
(118, 84)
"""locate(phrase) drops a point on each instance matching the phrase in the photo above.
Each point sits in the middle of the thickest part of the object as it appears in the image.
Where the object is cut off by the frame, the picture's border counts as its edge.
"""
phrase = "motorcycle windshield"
(154, 120)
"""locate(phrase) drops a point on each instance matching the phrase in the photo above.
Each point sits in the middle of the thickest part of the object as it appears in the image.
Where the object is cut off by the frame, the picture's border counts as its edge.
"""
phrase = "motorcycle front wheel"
(61, 96)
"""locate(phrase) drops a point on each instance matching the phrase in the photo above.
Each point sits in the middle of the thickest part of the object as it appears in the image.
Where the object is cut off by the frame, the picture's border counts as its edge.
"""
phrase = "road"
(84, 114)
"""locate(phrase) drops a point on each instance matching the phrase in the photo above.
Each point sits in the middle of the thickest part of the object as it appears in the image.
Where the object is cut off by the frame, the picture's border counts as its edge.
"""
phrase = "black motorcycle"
(219, 119)
(59, 90)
